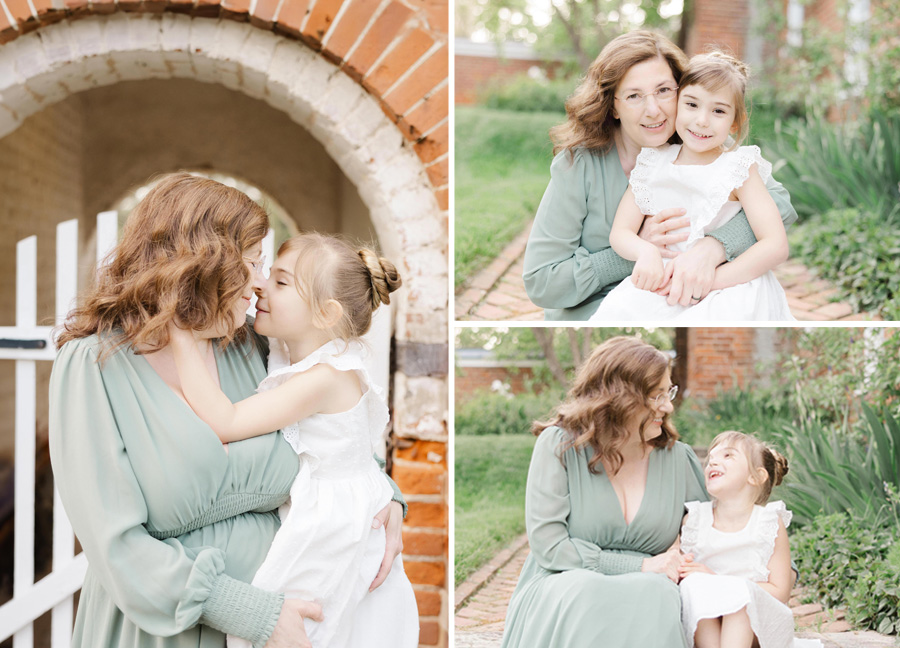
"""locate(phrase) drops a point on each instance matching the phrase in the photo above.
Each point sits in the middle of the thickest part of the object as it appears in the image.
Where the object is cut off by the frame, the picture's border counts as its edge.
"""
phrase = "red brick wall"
(719, 23)
(471, 380)
(475, 73)
(411, 33)
(420, 470)
(718, 358)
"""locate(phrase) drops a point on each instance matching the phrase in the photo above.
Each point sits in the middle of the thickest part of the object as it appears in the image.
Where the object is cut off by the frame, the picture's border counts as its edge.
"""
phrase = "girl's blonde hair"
(181, 257)
(613, 383)
(328, 268)
(716, 70)
(759, 456)
(590, 122)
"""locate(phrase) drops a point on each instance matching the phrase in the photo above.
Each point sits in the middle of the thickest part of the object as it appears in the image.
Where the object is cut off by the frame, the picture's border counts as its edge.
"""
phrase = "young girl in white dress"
(736, 564)
(318, 301)
(713, 183)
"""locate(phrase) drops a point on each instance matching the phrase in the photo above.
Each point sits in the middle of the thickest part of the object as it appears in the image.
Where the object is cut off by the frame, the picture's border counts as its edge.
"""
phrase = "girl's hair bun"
(383, 275)
(780, 468)
(742, 68)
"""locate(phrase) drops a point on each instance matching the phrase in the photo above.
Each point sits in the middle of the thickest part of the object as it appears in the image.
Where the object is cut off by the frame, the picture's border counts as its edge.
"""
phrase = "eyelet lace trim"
(690, 530)
(737, 170)
(764, 536)
(648, 160)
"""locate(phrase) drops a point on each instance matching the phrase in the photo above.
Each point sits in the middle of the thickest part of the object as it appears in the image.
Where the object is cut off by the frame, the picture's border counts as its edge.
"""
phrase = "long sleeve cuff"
(609, 267)
(613, 564)
(239, 609)
(736, 236)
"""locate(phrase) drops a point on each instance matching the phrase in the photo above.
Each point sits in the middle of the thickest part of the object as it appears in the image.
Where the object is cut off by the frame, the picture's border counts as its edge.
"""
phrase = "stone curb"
(488, 277)
(480, 578)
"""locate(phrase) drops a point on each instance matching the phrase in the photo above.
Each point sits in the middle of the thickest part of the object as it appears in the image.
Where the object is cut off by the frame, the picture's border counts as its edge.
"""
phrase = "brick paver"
(497, 292)
(481, 603)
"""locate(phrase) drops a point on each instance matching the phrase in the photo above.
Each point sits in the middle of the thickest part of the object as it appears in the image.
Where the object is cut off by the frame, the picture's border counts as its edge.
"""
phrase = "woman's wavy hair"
(327, 268)
(613, 383)
(590, 122)
(181, 257)
(715, 70)
(759, 457)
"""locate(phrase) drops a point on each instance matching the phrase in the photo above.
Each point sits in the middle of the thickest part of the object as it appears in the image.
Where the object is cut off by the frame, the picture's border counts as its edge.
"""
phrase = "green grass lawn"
(502, 168)
(490, 496)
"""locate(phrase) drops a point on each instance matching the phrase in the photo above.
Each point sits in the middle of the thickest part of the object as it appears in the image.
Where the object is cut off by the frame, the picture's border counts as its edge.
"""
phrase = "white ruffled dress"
(326, 549)
(740, 560)
(703, 190)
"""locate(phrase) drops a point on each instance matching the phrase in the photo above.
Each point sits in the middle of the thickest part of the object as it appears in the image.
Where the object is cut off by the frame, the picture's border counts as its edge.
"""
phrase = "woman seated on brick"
(174, 525)
(626, 101)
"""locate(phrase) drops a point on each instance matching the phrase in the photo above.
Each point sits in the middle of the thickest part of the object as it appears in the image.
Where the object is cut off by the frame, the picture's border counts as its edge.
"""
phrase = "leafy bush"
(855, 250)
(874, 599)
(833, 551)
(832, 472)
(749, 410)
(491, 413)
(827, 166)
(525, 94)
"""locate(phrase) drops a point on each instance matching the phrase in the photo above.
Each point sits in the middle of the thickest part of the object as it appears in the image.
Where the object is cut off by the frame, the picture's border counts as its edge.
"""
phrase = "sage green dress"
(569, 265)
(581, 585)
(173, 527)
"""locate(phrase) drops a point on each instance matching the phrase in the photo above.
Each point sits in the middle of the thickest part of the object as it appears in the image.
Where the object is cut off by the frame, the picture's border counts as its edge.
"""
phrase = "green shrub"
(751, 410)
(491, 413)
(524, 94)
(833, 551)
(874, 599)
(827, 166)
(857, 250)
(833, 472)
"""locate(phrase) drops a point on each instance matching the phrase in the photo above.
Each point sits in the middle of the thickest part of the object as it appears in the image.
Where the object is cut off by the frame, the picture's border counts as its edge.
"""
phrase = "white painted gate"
(27, 343)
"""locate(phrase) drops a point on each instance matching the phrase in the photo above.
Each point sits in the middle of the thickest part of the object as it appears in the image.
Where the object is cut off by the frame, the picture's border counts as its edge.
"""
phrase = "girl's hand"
(688, 567)
(289, 632)
(648, 270)
(179, 337)
(655, 230)
(391, 518)
(665, 563)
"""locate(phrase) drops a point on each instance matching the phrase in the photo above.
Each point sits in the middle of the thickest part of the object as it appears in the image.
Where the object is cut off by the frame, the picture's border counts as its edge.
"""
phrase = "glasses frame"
(642, 100)
(258, 265)
(670, 395)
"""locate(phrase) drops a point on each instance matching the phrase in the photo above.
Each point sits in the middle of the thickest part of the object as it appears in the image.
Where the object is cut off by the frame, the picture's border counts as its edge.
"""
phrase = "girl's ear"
(331, 313)
(761, 477)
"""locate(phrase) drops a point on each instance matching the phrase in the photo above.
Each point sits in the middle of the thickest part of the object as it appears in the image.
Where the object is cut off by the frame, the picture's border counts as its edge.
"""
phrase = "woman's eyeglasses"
(635, 99)
(257, 265)
(667, 395)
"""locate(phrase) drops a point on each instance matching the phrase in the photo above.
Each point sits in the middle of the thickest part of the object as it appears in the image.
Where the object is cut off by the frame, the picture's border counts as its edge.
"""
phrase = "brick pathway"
(481, 603)
(497, 292)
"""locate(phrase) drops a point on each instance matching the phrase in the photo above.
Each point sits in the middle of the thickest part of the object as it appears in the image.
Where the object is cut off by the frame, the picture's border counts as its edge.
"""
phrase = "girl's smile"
(704, 121)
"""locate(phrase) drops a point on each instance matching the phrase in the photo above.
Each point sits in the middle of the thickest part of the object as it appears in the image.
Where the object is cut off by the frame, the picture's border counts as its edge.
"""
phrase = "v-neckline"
(640, 509)
(168, 388)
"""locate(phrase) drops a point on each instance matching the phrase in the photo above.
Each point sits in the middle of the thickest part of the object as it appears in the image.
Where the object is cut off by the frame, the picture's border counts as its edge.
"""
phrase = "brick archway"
(389, 137)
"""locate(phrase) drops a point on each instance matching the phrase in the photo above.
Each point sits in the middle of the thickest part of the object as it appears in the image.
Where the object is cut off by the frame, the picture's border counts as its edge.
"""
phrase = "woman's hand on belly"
(289, 632)
(656, 230)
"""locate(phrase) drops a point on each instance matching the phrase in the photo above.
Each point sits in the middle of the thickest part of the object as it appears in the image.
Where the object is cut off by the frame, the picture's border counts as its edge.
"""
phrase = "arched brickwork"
(368, 80)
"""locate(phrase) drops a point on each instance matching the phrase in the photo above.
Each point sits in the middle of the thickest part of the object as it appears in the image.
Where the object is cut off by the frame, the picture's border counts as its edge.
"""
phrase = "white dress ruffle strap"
(740, 560)
(703, 190)
(326, 549)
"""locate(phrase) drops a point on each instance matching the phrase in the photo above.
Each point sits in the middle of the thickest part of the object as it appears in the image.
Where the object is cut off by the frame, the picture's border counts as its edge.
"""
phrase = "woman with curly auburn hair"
(603, 507)
(626, 101)
(173, 524)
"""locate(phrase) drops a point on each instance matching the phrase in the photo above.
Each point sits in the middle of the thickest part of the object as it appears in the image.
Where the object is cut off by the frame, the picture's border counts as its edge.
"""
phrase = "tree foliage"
(574, 30)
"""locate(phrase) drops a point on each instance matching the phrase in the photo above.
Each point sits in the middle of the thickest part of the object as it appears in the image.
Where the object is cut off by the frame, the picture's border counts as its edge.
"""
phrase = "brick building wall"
(723, 24)
(472, 380)
(324, 63)
(719, 358)
(474, 74)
